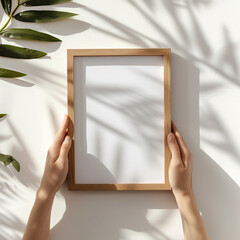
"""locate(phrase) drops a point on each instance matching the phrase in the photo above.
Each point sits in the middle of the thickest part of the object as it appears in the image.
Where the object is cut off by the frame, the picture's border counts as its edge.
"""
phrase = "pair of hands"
(56, 167)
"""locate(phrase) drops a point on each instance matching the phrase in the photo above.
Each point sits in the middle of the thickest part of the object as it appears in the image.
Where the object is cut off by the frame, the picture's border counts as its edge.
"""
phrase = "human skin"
(180, 177)
(56, 168)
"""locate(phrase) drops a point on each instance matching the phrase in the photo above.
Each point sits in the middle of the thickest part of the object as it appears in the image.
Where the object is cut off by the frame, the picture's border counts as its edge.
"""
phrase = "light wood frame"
(166, 53)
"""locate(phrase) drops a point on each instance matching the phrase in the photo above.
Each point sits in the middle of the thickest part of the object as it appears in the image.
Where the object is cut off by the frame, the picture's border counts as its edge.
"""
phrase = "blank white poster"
(119, 119)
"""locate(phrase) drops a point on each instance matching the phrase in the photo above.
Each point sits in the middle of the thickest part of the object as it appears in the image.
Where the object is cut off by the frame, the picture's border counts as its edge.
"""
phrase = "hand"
(180, 177)
(180, 169)
(56, 166)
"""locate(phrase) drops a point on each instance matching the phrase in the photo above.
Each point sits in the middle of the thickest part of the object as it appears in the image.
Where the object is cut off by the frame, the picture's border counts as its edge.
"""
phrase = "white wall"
(204, 36)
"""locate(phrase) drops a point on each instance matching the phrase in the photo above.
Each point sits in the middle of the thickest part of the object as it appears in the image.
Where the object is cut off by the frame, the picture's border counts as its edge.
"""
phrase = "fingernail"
(68, 139)
(171, 137)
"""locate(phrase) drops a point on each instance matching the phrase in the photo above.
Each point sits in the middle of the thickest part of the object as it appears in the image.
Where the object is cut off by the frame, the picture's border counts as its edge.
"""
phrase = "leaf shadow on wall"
(219, 209)
(108, 213)
(216, 193)
(105, 215)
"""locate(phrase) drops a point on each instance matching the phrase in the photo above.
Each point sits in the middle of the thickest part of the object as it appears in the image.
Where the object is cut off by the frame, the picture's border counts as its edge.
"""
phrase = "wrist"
(184, 198)
(45, 194)
(179, 194)
(186, 202)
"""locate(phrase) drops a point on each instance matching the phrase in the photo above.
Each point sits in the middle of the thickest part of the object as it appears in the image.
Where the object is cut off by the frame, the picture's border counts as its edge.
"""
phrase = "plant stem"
(10, 17)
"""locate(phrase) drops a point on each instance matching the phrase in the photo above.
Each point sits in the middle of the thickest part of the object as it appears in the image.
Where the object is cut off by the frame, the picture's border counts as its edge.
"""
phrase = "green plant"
(37, 16)
(7, 159)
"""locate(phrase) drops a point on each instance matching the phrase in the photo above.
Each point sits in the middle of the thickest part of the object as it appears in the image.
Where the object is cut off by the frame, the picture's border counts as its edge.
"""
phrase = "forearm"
(38, 226)
(55, 172)
(193, 225)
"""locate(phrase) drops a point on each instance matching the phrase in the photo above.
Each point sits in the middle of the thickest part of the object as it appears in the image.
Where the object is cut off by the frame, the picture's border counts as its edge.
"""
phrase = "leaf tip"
(3, 115)
(16, 165)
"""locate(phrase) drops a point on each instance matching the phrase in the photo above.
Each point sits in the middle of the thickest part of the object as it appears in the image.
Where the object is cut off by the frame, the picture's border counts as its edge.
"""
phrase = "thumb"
(67, 142)
(173, 146)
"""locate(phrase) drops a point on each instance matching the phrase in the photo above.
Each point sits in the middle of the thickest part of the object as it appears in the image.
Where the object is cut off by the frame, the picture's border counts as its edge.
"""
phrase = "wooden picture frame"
(166, 54)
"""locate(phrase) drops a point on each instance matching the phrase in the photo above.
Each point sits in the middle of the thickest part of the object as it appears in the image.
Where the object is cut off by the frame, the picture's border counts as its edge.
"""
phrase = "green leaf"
(7, 159)
(42, 16)
(16, 165)
(7, 6)
(2, 115)
(7, 73)
(42, 2)
(19, 52)
(28, 34)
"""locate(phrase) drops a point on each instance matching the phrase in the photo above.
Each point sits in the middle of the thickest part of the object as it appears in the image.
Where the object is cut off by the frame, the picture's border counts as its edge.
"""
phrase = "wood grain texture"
(119, 187)
(70, 92)
(120, 52)
(166, 53)
(167, 112)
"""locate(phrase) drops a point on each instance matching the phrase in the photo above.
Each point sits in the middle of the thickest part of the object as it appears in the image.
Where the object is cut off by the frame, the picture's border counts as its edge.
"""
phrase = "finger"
(184, 151)
(174, 148)
(66, 145)
(61, 133)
